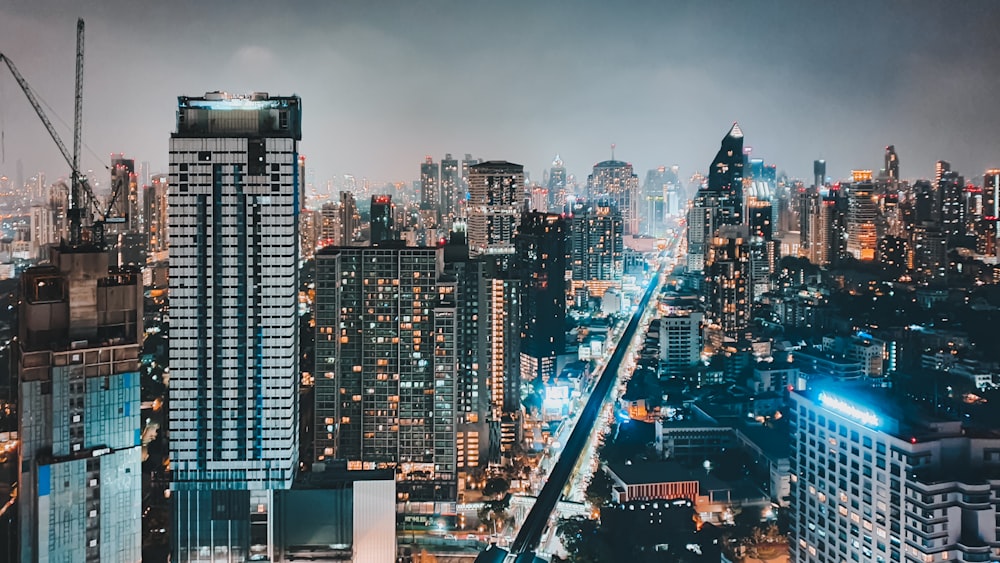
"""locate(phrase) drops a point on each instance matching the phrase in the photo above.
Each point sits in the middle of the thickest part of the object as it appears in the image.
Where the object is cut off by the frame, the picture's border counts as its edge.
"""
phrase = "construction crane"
(79, 186)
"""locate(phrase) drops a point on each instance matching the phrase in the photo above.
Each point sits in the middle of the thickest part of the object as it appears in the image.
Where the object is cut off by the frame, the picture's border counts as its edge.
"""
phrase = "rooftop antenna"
(612, 151)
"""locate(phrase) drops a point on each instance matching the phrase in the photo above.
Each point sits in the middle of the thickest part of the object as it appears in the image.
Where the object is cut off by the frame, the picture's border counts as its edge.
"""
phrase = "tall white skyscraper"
(234, 415)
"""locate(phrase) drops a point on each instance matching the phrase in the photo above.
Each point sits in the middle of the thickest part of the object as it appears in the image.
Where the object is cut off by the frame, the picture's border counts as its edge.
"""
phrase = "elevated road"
(531, 531)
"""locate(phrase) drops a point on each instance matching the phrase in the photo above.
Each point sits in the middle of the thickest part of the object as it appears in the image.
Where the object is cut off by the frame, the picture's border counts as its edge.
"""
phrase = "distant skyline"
(384, 84)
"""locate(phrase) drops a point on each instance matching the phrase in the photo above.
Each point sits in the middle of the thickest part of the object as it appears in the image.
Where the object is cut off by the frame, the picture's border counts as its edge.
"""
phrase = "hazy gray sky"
(385, 83)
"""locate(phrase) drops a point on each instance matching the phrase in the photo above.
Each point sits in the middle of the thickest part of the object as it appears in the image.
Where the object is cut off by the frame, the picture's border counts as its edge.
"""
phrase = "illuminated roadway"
(534, 524)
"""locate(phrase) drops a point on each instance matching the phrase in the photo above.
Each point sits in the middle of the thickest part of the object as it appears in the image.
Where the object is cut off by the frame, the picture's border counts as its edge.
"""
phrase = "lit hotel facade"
(874, 480)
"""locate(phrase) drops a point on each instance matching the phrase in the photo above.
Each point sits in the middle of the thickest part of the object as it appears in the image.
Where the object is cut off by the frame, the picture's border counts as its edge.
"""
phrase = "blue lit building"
(877, 477)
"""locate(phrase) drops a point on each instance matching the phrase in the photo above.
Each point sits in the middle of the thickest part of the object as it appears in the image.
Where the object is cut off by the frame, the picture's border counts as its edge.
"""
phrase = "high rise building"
(615, 181)
(596, 248)
(155, 205)
(719, 202)
(702, 220)
(43, 231)
(430, 191)
(930, 253)
(940, 167)
(879, 478)
(467, 162)
(725, 177)
(496, 191)
(499, 353)
(991, 208)
(472, 399)
(80, 333)
(124, 229)
(385, 363)
(658, 200)
(951, 195)
(330, 231)
(382, 219)
(557, 184)
(862, 236)
(680, 341)
(452, 193)
(234, 385)
(819, 173)
(350, 219)
(541, 253)
(727, 271)
(892, 164)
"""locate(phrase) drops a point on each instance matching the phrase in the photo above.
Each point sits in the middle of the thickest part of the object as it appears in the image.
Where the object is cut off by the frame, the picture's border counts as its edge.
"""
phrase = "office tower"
(155, 206)
(727, 271)
(880, 478)
(350, 219)
(541, 253)
(234, 381)
(615, 180)
(430, 192)
(596, 248)
(892, 164)
(80, 332)
(680, 342)
(452, 194)
(385, 365)
(557, 184)
(862, 238)
(719, 202)
(951, 193)
(940, 167)
(382, 219)
(725, 177)
(819, 173)
(496, 192)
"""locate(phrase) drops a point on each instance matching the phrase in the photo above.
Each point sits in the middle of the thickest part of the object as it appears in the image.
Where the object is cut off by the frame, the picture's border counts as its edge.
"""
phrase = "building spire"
(612, 151)
(736, 132)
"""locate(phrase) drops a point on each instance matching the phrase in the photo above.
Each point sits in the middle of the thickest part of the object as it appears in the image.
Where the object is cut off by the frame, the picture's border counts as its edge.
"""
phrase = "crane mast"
(75, 209)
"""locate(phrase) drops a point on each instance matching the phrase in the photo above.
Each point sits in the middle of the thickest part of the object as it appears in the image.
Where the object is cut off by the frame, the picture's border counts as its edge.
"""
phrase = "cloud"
(254, 57)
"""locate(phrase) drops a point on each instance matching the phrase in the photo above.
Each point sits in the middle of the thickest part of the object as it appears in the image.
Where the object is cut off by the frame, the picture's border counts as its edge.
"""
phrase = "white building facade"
(874, 481)
(234, 417)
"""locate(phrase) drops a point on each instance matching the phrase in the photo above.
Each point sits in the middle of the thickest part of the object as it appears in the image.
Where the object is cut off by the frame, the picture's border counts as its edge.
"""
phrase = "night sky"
(385, 83)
